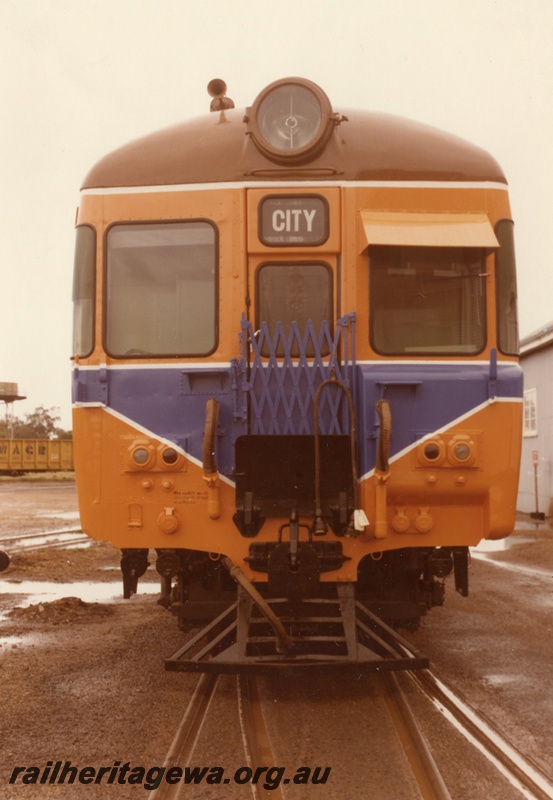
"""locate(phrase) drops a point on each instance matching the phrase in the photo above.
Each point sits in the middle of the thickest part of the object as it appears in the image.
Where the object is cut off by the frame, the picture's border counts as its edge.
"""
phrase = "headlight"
(170, 458)
(462, 451)
(432, 452)
(291, 120)
(142, 455)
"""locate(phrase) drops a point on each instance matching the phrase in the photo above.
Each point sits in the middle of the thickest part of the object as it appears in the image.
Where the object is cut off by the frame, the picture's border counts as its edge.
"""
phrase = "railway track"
(519, 770)
(29, 542)
(423, 766)
(257, 743)
(185, 739)
(260, 752)
(258, 747)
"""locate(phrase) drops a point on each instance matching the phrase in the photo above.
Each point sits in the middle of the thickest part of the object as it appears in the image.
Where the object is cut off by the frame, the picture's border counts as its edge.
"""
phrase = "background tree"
(39, 424)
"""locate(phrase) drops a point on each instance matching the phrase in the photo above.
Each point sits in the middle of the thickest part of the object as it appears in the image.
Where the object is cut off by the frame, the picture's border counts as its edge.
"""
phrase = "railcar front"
(296, 349)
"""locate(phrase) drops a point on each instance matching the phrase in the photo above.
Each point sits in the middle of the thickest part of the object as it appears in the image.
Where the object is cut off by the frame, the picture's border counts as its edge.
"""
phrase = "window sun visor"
(426, 230)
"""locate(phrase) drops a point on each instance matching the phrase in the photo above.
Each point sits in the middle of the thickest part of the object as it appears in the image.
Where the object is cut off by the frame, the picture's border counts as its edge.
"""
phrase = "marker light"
(432, 452)
(140, 456)
(462, 451)
(291, 120)
(169, 456)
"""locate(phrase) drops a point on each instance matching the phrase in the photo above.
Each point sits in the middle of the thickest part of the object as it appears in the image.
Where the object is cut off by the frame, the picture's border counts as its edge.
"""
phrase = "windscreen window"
(83, 291)
(427, 300)
(161, 289)
(506, 288)
(294, 293)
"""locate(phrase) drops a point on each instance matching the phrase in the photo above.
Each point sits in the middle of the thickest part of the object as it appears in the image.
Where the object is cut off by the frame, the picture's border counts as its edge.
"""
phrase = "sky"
(79, 78)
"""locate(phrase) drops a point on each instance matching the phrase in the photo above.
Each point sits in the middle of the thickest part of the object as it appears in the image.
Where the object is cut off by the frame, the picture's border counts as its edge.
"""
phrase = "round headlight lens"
(462, 452)
(291, 119)
(432, 451)
(170, 456)
(140, 456)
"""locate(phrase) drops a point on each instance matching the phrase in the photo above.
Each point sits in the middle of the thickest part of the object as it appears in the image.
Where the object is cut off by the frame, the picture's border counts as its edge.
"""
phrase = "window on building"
(530, 413)
(427, 300)
(161, 289)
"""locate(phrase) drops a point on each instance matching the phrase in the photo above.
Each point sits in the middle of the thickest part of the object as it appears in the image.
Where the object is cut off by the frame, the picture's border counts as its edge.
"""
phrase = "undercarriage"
(295, 619)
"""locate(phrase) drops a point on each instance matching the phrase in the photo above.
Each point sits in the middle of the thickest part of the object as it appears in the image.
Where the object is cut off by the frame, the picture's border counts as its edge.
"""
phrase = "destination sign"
(286, 220)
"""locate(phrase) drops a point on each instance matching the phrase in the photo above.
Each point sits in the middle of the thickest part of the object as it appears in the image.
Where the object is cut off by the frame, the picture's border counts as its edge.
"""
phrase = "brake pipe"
(285, 643)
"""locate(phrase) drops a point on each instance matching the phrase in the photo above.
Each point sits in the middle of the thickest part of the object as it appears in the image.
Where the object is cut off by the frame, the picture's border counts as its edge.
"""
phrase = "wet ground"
(82, 675)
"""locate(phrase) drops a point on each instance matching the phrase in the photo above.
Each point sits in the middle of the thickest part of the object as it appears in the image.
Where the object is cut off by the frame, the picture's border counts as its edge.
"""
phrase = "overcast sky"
(81, 77)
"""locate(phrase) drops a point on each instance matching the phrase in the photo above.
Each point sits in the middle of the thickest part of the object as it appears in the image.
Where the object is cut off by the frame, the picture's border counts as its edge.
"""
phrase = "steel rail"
(257, 743)
(521, 771)
(24, 536)
(185, 739)
(51, 545)
(424, 768)
(25, 547)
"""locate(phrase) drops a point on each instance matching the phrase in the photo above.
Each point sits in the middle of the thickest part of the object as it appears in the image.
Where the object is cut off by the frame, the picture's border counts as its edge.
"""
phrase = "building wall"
(538, 435)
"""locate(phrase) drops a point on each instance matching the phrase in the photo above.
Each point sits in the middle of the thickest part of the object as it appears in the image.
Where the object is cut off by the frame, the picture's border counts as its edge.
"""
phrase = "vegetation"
(42, 423)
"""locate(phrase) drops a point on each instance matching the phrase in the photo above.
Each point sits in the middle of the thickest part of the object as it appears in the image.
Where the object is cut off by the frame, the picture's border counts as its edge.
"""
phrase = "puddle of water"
(490, 546)
(501, 680)
(499, 545)
(58, 514)
(529, 572)
(7, 642)
(47, 591)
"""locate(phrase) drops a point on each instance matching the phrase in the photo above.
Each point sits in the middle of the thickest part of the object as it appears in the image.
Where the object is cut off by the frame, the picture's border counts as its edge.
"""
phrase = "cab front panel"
(140, 395)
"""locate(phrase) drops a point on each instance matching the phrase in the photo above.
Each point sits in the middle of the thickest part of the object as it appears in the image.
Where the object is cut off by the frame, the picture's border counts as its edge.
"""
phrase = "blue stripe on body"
(425, 397)
(171, 402)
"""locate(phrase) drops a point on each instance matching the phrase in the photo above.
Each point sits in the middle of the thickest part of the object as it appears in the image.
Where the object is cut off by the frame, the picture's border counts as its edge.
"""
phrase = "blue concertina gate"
(282, 370)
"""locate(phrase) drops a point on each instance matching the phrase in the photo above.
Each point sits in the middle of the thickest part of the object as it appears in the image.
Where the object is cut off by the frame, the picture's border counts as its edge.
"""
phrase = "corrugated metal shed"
(536, 355)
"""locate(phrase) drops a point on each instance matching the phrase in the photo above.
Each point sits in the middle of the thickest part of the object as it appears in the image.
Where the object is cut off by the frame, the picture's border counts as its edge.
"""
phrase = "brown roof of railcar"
(368, 146)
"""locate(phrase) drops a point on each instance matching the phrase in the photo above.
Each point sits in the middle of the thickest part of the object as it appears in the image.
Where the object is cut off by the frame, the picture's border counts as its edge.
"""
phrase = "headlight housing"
(141, 455)
(462, 451)
(291, 120)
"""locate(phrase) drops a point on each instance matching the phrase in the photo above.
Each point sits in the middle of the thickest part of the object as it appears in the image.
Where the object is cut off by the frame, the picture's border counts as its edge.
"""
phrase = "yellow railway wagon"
(36, 455)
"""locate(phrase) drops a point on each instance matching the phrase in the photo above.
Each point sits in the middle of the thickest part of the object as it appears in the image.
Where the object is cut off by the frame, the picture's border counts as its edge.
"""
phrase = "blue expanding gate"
(283, 369)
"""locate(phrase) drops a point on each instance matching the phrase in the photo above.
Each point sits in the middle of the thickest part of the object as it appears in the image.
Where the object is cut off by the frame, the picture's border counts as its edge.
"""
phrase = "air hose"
(285, 644)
